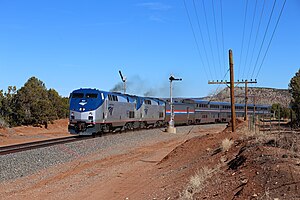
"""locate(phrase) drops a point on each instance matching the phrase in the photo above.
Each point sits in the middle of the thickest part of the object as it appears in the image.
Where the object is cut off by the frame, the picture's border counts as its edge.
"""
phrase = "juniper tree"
(294, 89)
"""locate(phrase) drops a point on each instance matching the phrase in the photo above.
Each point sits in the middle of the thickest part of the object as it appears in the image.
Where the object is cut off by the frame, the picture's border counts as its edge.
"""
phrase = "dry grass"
(197, 181)
(226, 144)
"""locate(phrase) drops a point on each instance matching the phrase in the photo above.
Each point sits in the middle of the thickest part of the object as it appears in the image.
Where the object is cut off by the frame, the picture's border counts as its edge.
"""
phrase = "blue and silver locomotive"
(93, 111)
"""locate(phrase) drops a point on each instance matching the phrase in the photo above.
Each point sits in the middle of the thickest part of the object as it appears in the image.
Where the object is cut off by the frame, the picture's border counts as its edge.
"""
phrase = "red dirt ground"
(22, 134)
(256, 166)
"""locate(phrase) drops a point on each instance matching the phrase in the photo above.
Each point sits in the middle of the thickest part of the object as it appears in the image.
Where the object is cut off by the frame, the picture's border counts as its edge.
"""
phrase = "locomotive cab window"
(147, 102)
(91, 95)
(77, 95)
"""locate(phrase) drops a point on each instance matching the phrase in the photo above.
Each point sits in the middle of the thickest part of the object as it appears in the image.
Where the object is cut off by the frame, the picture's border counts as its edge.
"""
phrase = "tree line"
(32, 104)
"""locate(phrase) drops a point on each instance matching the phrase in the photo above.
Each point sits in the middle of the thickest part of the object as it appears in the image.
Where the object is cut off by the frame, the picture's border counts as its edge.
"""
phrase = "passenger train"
(94, 111)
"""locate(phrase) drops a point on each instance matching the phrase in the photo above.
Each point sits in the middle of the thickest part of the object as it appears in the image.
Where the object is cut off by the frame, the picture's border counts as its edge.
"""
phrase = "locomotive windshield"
(81, 95)
(91, 95)
(77, 95)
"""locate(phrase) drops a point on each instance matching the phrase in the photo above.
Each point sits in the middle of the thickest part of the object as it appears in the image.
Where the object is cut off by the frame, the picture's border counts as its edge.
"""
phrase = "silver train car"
(93, 111)
(194, 111)
(184, 113)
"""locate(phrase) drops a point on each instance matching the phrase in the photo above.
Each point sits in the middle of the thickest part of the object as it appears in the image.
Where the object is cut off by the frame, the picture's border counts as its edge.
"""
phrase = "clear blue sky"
(69, 44)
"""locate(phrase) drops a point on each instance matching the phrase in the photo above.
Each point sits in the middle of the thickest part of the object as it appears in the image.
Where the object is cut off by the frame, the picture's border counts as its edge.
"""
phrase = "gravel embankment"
(22, 164)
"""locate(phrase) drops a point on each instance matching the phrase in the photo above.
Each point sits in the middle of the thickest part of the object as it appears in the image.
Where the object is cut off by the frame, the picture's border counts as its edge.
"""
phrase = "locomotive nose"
(82, 102)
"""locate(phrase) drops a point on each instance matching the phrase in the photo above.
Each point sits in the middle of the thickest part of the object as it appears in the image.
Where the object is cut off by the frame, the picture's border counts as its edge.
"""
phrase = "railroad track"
(38, 144)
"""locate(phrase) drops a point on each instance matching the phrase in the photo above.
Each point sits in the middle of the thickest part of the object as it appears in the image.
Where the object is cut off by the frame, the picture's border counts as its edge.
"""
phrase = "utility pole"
(246, 101)
(279, 118)
(231, 83)
(254, 110)
(233, 116)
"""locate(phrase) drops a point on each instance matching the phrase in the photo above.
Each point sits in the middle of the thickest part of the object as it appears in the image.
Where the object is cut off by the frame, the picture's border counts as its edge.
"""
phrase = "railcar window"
(239, 107)
(91, 95)
(77, 95)
(227, 107)
(214, 106)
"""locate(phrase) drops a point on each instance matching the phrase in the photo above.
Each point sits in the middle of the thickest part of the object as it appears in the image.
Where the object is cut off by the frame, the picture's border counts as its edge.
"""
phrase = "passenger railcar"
(215, 112)
(184, 112)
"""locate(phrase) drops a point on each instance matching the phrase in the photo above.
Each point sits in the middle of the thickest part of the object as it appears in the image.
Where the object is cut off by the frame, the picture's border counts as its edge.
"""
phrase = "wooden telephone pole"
(246, 101)
(231, 83)
(233, 116)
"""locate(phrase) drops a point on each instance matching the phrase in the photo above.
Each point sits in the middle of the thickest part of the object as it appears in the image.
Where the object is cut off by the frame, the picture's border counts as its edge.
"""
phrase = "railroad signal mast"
(231, 83)
(171, 127)
(123, 78)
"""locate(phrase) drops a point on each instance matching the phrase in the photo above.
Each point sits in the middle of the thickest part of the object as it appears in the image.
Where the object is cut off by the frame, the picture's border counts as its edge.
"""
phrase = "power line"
(264, 38)
(250, 37)
(241, 54)
(255, 41)
(217, 41)
(271, 37)
(223, 49)
(198, 49)
(202, 36)
(209, 35)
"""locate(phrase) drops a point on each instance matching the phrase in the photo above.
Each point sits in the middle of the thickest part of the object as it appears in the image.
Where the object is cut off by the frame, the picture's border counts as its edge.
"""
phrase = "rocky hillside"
(262, 95)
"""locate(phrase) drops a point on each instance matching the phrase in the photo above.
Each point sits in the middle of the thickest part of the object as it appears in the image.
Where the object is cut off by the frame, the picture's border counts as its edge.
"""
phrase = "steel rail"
(4, 150)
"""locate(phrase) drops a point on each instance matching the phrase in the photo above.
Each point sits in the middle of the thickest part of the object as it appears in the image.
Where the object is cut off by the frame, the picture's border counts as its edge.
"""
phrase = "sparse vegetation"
(198, 181)
(226, 144)
(280, 111)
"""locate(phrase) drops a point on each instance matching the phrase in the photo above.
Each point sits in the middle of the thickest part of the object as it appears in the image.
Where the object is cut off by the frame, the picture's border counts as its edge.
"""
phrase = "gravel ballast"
(17, 165)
